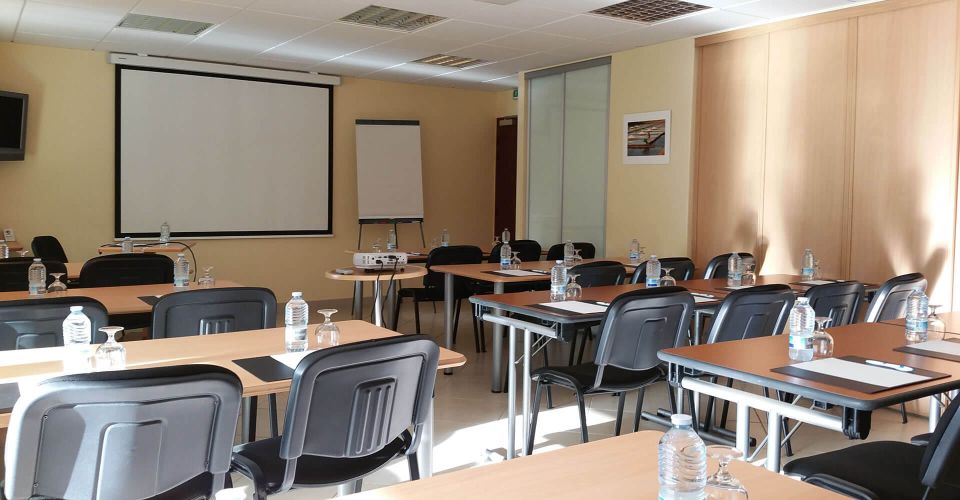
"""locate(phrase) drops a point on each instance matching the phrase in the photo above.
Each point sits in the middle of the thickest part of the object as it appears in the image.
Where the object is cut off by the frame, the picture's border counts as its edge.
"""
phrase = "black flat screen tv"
(13, 125)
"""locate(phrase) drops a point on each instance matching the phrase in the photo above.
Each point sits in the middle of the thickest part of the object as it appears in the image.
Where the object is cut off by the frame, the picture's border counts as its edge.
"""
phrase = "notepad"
(517, 272)
(815, 282)
(576, 306)
(698, 299)
(292, 359)
(941, 349)
(854, 372)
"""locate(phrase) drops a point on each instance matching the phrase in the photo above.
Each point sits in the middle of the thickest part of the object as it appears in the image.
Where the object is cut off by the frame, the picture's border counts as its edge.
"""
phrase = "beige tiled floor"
(470, 425)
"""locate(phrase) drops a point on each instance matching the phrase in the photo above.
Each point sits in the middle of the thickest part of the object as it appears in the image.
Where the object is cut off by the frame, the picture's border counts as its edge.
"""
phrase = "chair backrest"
(13, 273)
(214, 310)
(640, 323)
(717, 267)
(941, 459)
(890, 301)
(354, 399)
(456, 254)
(682, 269)
(126, 269)
(529, 251)
(599, 273)
(748, 313)
(31, 323)
(48, 248)
(587, 250)
(123, 434)
(839, 301)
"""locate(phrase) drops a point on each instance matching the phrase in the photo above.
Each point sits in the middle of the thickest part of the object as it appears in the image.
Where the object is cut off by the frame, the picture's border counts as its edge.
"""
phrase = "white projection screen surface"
(222, 156)
(389, 182)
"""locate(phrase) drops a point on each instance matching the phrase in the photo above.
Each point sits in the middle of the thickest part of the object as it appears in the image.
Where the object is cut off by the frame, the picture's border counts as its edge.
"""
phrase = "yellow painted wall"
(65, 186)
(506, 104)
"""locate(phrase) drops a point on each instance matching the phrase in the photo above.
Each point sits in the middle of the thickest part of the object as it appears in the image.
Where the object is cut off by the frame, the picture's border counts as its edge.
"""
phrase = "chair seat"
(581, 376)
(314, 470)
(890, 469)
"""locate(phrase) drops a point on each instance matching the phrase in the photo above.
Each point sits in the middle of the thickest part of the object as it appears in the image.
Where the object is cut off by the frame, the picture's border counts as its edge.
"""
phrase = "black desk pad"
(266, 368)
(854, 385)
(503, 275)
(150, 300)
(564, 312)
(931, 354)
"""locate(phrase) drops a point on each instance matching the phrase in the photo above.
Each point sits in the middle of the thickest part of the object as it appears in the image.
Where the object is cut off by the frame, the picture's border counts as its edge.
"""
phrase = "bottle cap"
(74, 309)
(681, 419)
(559, 262)
(297, 295)
(36, 259)
(180, 254)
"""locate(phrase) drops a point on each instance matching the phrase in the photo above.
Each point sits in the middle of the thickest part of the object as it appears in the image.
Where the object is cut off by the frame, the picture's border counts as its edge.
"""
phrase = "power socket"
(8, 234)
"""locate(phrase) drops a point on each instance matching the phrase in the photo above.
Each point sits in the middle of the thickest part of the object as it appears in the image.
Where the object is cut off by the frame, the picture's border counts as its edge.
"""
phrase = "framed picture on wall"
(646, 138)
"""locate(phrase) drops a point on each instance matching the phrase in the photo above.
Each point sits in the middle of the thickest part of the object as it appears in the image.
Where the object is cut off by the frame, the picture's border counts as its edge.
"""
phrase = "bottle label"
(653, 282)
(634, 256)
(505, 263)
(801, 342)
(916, 325)
(807, 271)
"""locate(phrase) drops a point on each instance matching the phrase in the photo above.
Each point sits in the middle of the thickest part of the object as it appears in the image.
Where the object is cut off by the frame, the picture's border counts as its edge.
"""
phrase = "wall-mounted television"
(13, 125)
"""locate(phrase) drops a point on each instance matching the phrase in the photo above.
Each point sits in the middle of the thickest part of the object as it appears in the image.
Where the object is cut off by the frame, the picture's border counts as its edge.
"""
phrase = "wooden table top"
(119, 299)
(482, 271)
(362, 275)
(752, 361)
(617, 467)
(34, 364)
(149, 247)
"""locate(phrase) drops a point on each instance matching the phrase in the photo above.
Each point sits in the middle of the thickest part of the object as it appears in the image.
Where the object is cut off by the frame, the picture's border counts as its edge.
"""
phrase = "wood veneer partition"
(836, 132)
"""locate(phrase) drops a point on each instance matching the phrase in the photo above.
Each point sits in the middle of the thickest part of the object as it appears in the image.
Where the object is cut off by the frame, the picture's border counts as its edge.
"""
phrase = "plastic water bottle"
(558, 282)
(181, 272)
(296, 317)
(164, 232)
(126, 246)
(391, 241)
(734, 270)
(37, 277)
(505, 235)
(806, 264)
(634, 253)
(653, 272)
(917, 304)
(802, 318)
(682, 458)
(76, 340)
(4, 250)
(569, 254)
(506, 255)
(445, 238)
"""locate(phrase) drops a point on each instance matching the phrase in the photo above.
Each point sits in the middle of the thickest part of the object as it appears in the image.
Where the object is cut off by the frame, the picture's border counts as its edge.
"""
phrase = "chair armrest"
(841, 486)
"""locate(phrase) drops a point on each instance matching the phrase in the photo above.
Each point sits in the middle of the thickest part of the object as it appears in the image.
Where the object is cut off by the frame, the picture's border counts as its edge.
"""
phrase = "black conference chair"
(587, 250)
(13, 273)
(149, 433)
(126, 269)
(682, 269)
(219, 310)
(717, 267)
(838, 301)
(31, 323)
(891, 469)
(433, 288)
(636, 326)
(528, 251)
(591, 274)
(352, 409)
(48, 248)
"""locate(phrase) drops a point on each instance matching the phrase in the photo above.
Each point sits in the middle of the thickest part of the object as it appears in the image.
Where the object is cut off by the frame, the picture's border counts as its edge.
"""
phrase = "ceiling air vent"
(163, 24)
(649, 11)
(455, 62)
(391, 19)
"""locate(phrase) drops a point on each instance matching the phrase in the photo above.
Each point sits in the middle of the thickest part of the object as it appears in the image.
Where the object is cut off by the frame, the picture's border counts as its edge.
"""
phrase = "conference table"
(618, 467)
(28, 366)
(173, 247)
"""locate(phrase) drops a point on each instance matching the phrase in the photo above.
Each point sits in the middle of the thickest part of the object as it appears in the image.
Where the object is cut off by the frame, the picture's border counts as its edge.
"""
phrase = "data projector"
(376, 261)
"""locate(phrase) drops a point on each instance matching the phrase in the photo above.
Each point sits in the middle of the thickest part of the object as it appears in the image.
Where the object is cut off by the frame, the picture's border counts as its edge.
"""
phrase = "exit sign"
(516, 94)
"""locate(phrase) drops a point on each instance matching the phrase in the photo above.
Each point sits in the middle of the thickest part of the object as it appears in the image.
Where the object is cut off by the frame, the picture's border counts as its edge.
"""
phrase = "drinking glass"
(667, 279)
(574, 290)
(515, 261)
(327, 332)
(816, 269)
(749, 277)
(57, 288)
(111, 355)
(207, 280)
(936, 328)
(722, 485)
(822, 341)
(377, 246)
(23, 253)
(576, 255)
(496, 240)
(434, 243)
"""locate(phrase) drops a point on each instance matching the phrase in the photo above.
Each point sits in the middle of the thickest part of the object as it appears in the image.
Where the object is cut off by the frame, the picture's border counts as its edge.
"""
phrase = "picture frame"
(646, 138)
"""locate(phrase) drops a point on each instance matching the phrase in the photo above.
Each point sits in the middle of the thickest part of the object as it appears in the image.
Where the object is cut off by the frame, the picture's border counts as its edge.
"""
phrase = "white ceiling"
(305, 34)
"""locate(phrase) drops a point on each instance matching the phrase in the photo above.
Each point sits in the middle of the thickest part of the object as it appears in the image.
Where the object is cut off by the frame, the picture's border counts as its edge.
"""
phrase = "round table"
(360, 276)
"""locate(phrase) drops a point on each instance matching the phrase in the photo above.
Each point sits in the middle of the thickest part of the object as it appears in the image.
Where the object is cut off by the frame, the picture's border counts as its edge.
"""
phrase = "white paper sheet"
(741, 287)
(518, 272)
(817, 282)
(576, 306)
(698, 299)
(292, 359)
(941, 346)
(874, 375)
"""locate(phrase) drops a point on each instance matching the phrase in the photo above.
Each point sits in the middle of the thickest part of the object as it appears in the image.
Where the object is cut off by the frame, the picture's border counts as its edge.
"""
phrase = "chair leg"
(636, 416)
(272, 412)
(583, 345)
(620, 403)
(693, 411)
(476, 333)
(416, 315)
(903, 413)
(483, 336)
(546, 362)
(583, 418)
(573, 345)
(396, 311)
(252, 471)
(456, 320)
(414, 465)
(726, 408)
(533, 420)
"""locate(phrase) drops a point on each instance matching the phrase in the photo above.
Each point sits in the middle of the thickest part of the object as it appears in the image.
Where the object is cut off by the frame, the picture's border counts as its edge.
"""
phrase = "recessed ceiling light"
(394, 19)
(649, 11)
(452, 61)
(498, 2)
(163, 24)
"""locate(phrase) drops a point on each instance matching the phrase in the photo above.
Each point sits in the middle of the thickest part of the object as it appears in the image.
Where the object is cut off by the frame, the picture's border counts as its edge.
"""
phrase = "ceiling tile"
(413, 71)
(143, 42)
(709, 21)
(351, 67)
(246, 34)
(775, 9)
(325, 10)
(103, 5)
(516, 15)
(463, 31)
(490, 52)
(191, 11)
(9, 15)
(588, 26)
(56, 41)
(402, 50)
(574, 6)
(533, 41)
(585, 50)
(330, 41)
(228, 3)
(460, 9)
(69, 21)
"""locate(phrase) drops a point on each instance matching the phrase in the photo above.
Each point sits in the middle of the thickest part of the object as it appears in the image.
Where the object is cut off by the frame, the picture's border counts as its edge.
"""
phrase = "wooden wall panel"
(731, 100)
(805, 173)
(904, 185)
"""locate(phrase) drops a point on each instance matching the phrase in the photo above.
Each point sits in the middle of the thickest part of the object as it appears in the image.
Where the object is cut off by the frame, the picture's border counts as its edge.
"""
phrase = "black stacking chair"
(48, 248)
(30, 323)
(637, 325)
(717, 267)
(529, 251)
(13, 273)
(838, 301)
(149, 433)
(891, 469)
(352, 409)
(587, 250)
(591, 274)
(126, 269)
(682, 269)
(219, 310)
(433, 287)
